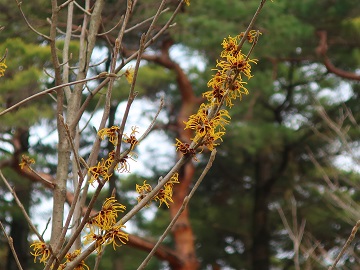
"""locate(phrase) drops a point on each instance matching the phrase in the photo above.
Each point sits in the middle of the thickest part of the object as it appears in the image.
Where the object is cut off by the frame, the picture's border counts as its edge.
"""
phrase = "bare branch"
(55, 88)
(19, 204)
(11, 244)
(28, 23)
(348, 242)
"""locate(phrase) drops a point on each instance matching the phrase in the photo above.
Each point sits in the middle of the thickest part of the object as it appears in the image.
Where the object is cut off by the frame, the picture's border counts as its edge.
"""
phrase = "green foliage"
(272, 126)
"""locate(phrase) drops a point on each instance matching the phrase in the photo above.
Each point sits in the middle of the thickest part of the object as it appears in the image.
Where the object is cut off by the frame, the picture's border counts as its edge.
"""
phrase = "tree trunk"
(261, 236)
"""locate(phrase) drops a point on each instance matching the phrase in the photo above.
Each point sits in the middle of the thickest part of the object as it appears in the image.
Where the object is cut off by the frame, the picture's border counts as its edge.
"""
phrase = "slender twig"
(156, 17)
(28, 23)
(132, 95)
(11, 245)
(42, 179)
(92, 114)
(4, 56)
(116, 25)
(55, 88)
(98, 259)
(65, 4)
(20, 205)
(147, 131)
(128, 60)
(143, 22)
(251, 24)
(82, 9)
(348, 242)
(181, 209)
(46, 226)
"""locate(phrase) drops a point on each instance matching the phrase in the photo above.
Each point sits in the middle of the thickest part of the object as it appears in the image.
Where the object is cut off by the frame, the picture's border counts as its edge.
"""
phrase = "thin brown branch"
(19, 204)
(348, 242)
(116, 25)
(251, 24)
(11, 245)
(143, 22)
(150, 127)
(322, 51)
(55, 88)
(4, 56)
(28, 23)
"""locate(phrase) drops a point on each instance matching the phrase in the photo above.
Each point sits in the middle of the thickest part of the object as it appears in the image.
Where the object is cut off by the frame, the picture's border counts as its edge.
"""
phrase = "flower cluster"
(112, 133)
(226, 85)
(131, 139)
(129, 75)
(102, 169)
(26, 161)
(163, 196)
(41, 250)
(3, 67)
(103, 227)
(72, 256)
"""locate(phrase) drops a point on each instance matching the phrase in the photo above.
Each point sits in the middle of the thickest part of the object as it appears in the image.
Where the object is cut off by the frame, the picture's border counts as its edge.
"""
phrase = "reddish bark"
(182, 231)
(322, 51)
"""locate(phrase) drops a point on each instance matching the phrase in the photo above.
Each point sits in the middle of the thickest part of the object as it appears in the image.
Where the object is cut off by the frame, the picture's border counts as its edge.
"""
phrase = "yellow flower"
(203, 125)
(129, 75)
(40, 250)
(116, 236)
(71, 256)
(3, 67)
(132, 139)
(92, 236)
(110, 159)
(26, 161)
(165, 194)
(124, 165)
(230, 46)
(187, 2)
(185, 149)
(112, 133)
(100, 170)
(251, 36)
(106, 218)
(174, 179)
(237, 62)
(142, 190)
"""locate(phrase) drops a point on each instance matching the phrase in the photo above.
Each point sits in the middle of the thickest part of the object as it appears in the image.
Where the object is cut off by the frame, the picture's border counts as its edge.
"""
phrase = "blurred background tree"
(308, 55)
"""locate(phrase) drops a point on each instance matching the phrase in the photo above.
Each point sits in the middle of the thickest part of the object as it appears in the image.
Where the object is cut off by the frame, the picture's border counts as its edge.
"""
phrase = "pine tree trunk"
(260, 252)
